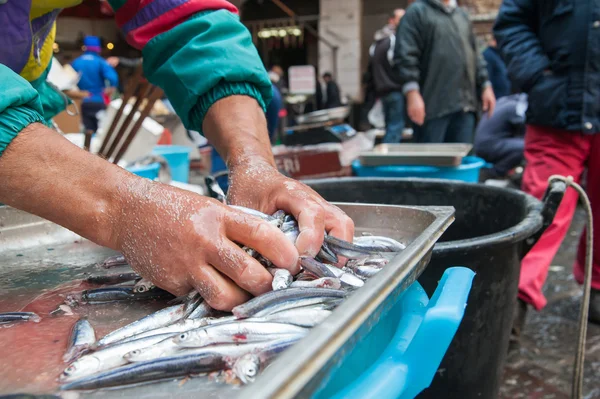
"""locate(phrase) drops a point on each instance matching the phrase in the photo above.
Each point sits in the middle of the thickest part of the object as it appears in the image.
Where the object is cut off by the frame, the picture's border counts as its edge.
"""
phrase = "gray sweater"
(436, 53)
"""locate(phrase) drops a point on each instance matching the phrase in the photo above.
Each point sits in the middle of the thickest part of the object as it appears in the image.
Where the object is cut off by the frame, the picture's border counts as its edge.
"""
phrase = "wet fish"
(348, 280)
(330, 303)
(113, 278)
(143, 286)
(113, 261)
(317, 268)
(248, 366)
(162, 318)
(289, 295)
(81, 340)
(175, 328)
(214, 190)
(390, 243)
(114, 294)
(282, 278)
(326, 254)
(237, 332)
(353, 251)
(106, 358)
(303, 317)
(366, 271)
(200, 311)
(183, 363)
(163, 348)
(14, 317)
(323, 282)
(62, 309)
(254, 212)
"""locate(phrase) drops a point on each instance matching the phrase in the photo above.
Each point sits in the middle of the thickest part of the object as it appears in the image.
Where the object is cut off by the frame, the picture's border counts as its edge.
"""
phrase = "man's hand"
(488, 100)
(182, 241)
(258, 185)
(415, 107)
(237, 127)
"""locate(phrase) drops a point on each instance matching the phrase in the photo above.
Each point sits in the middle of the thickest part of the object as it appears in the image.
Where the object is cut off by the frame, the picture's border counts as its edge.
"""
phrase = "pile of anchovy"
(190, 338)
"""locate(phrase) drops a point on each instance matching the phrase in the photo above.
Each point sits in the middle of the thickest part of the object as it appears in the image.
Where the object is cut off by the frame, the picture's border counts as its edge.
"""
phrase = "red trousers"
(551, 151)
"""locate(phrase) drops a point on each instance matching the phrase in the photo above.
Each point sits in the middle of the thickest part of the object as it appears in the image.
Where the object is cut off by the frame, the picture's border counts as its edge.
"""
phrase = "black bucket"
(493, 230)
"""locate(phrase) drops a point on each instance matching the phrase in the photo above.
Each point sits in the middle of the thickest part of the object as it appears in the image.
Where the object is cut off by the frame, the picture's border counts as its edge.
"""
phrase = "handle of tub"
(426, 328)
(551, 201)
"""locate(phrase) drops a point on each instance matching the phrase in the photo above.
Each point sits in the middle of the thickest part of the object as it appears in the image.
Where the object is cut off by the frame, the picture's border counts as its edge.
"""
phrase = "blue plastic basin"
(147, 171)
(468, 171)
(400, 356)
(178, 158)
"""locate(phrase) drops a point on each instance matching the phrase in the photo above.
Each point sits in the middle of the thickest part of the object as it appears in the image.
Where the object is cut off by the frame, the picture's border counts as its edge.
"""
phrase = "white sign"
(302, 79)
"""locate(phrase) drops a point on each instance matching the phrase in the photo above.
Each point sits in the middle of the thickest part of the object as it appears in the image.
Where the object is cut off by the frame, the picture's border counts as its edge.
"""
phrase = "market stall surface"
(543, 367)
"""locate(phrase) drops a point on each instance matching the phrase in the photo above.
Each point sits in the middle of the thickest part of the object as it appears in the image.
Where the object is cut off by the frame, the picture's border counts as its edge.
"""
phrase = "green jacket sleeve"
(204, 59)
(19, 106)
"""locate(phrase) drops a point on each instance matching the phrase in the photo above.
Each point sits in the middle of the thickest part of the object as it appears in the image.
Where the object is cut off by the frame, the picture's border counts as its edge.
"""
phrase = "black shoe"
(518, 324)
(594, 311)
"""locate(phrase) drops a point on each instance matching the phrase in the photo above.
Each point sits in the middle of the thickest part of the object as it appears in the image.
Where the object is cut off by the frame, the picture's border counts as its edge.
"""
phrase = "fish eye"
(70, 370)
(183, 336)
(136, 352)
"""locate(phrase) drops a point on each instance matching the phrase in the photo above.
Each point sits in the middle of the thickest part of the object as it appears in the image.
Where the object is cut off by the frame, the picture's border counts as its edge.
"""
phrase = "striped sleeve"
(142, 20)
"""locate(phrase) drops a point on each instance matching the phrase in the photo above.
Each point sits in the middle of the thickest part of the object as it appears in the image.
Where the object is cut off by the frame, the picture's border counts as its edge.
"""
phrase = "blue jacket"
(94, 71)
(552, 50)
(497, 72)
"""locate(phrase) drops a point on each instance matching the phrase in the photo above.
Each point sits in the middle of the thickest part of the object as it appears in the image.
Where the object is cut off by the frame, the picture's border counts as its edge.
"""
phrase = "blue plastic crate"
(468, 171)
(147, 171)
(178, 158)
(399, 357)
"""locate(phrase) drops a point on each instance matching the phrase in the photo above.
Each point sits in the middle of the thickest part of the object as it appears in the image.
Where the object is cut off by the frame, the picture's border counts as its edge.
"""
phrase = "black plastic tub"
(493, 230)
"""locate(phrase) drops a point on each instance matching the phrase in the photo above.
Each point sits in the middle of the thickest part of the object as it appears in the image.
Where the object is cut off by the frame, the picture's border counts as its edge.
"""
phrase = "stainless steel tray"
(443, 154)
(50, 255)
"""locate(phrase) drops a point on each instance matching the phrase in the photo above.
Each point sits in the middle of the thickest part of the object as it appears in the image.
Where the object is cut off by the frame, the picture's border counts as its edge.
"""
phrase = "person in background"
(386, 81)
(95, 74)
(499, 138)
(552, 54)
(276, 75)
(331, 92)
(496, 68)
(442, 74)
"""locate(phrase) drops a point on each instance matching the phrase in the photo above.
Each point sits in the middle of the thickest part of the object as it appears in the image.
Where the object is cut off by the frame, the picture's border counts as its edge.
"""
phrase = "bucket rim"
(174, 149)
(530, 224)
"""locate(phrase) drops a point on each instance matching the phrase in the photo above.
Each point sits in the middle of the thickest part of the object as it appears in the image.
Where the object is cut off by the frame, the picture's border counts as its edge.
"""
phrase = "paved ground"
(542, 367)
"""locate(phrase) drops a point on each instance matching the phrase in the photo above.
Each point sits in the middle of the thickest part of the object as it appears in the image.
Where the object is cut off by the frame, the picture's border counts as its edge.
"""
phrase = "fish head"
(81, 367)
(183, 338)
(246, 368)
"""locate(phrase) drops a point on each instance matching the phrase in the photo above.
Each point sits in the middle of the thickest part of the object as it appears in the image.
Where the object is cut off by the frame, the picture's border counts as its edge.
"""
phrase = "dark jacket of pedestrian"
(497, 72)
(436, 52)
(552, 50)
(332, 97)
(385, 78)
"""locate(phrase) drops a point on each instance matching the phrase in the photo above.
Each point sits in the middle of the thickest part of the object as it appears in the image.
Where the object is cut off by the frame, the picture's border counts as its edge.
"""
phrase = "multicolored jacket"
(197, 51)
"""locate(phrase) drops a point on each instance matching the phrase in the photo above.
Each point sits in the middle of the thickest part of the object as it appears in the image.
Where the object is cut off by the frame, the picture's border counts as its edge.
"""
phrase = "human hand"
(182, 241)
(488, 100)
(113, 61)
(258, 185)
(415, 107)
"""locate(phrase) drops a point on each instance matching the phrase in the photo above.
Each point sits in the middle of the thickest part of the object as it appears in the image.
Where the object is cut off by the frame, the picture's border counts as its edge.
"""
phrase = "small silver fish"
(390, 243)
(160, 349)
(282, 279)
(153, 321)
(247, 367)
(303, 317)
(82, 339)
(143, 286)
(236, 332)
(323, 282)
(113, 261)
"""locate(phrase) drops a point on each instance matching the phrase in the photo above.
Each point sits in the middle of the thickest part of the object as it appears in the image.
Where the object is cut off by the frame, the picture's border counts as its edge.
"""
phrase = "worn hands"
(415, 107)
(182, 241)
(488, 100)
(260, 186)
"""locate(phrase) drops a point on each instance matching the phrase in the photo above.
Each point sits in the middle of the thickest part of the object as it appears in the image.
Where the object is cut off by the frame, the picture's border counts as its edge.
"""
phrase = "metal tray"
(46, 250)
(443, 154)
